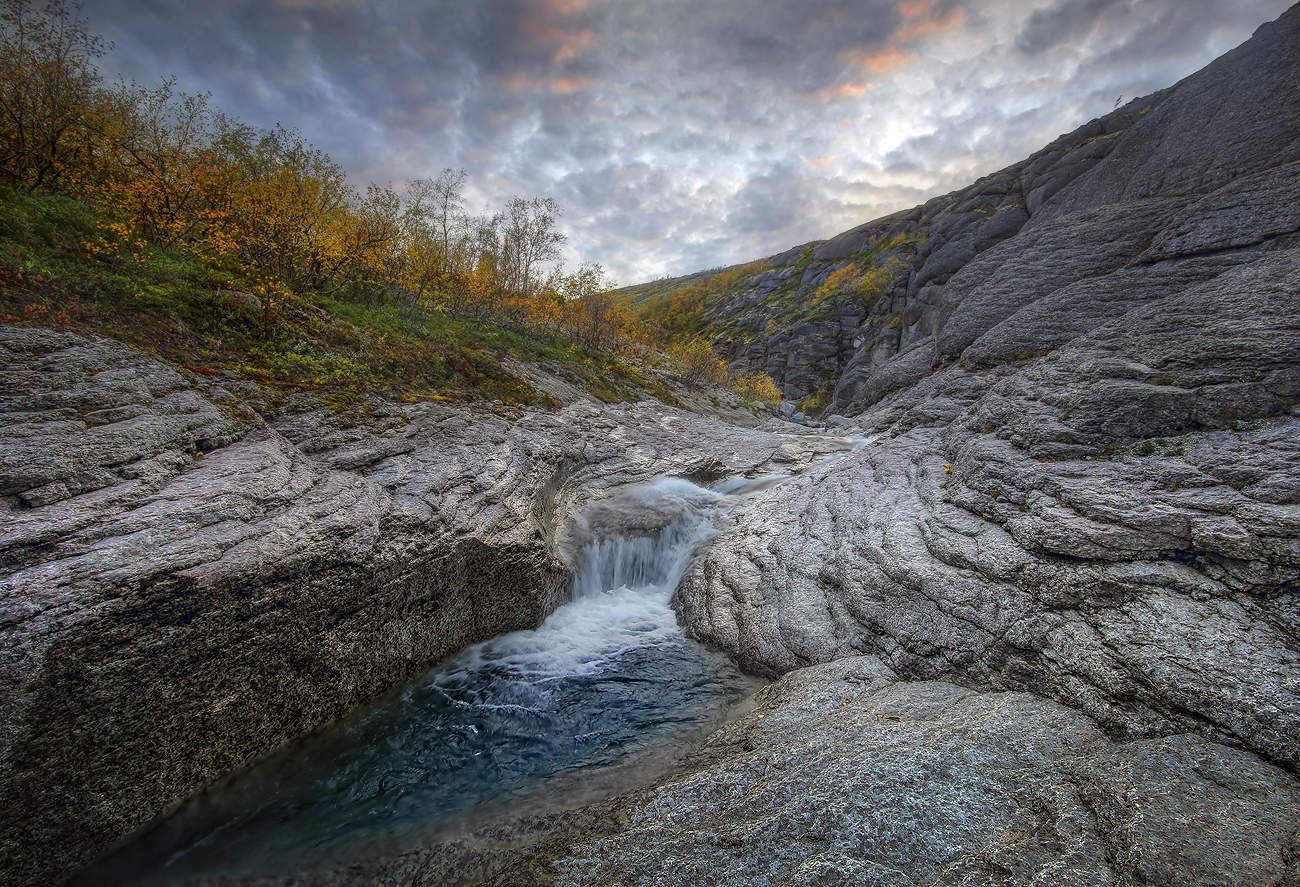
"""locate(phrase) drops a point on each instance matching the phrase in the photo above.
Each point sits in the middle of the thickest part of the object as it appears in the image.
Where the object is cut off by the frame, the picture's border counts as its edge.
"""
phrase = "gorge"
(1026, 609)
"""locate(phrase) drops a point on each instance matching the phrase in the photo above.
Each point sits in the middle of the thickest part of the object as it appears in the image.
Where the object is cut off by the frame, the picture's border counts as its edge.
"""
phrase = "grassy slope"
(194, 312)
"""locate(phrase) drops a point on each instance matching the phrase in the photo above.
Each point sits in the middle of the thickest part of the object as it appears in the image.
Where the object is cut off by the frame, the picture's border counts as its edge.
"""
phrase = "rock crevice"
(185, 587)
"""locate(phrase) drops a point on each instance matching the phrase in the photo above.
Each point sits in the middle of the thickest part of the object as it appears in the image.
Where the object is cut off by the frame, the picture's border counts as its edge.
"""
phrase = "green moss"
(61, 266)
(805, 259)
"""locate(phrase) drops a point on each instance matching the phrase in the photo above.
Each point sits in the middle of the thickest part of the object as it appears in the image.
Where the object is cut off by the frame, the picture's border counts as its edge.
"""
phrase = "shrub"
(700, 362)
(757, 387)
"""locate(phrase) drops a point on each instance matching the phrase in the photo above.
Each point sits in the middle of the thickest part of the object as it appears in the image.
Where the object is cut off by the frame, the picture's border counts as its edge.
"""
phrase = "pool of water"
(607, 682)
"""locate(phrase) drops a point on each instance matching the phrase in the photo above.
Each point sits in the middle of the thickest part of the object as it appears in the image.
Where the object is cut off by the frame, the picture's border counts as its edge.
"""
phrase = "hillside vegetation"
(147, 215)
(752, 314)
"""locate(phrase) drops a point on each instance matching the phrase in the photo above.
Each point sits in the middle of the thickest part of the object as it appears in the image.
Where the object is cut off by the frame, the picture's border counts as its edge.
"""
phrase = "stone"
(183, 591)
(1088, 485)
(843, 776)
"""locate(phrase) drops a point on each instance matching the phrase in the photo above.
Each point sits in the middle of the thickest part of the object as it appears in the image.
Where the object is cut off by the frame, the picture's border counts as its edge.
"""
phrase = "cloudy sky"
(677, 134)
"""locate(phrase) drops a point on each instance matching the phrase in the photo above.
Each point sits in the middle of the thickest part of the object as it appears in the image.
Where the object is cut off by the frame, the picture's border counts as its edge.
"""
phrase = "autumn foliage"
(170, 169)
(163, 169)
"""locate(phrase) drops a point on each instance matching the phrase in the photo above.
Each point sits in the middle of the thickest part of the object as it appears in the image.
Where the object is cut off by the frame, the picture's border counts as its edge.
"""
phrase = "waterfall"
(604, 685)
(621, 596)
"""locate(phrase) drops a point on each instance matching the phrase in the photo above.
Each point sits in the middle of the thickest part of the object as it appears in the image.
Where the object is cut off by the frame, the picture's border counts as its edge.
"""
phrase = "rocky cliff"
(186, 586)
(1084, 478)
(1102, 220)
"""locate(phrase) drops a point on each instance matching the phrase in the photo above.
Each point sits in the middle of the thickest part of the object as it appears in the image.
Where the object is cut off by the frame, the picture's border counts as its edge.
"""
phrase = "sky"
(677, 135)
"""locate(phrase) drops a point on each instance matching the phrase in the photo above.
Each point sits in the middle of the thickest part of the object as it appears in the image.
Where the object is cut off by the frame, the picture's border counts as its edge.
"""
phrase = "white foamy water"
(607, 679)
(621, 595)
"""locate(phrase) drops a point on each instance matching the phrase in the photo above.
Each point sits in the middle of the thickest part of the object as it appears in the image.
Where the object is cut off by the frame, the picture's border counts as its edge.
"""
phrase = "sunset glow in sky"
(677, 135)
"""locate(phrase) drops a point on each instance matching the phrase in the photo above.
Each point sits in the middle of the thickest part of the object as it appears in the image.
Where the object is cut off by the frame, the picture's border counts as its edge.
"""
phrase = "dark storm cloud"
(677, 134)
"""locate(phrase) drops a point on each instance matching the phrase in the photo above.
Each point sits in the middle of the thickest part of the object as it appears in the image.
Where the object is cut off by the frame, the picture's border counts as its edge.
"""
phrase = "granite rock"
(185, 586)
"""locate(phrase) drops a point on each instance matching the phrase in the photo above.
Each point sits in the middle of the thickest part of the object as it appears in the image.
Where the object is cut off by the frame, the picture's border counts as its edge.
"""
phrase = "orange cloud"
(567, 85)
(571, 45)
(880, 62)
(922, 27)
(517, 82)
(843, 91)
(559, 85)
(916, 24)
(564, 7)
(822, 161)
(546, 24)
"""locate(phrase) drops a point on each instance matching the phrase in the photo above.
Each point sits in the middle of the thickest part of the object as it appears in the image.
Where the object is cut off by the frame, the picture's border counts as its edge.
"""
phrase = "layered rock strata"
(1084, 475)
(185, 587)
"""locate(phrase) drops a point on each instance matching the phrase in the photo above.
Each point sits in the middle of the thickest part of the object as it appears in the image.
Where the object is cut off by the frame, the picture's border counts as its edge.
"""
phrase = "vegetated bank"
(1041, 627)
(145, 214)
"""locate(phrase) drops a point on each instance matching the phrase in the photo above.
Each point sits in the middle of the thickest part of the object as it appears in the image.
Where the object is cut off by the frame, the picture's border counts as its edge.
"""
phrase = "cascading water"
(606, 680)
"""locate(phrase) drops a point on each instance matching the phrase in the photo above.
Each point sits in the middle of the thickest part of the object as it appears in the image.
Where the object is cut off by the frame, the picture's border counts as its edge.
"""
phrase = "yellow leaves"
(836, 284)
(853, 282)
(173, 172)
(757, 387)
(700, 361)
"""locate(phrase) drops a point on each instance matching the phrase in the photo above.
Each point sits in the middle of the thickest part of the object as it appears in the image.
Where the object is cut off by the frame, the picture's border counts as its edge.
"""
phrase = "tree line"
(170, 169)
(167, 169)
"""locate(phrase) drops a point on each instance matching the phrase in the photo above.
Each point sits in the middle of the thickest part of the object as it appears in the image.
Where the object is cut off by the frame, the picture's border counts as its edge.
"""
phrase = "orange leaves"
(266, 207)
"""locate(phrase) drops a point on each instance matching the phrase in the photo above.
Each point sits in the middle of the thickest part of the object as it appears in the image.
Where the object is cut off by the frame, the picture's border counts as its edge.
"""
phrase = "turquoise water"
(606, 681)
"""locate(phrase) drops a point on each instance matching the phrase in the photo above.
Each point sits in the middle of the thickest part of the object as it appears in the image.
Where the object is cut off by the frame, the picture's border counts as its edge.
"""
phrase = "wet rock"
(841, 775)
(185, 587)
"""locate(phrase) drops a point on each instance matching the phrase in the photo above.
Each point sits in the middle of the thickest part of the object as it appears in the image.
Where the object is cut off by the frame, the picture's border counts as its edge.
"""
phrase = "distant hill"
(999, 271)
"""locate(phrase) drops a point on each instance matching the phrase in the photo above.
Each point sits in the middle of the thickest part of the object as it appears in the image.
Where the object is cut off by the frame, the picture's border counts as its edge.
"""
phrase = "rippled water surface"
(607, 681)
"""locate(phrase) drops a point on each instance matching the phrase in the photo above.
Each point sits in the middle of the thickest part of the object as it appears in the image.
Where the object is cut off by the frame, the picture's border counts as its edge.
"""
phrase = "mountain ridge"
(848, 358)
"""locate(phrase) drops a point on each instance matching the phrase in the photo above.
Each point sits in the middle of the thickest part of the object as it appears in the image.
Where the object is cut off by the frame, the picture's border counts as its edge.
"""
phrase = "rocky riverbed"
(188, 586)
(844, 775)
(1039, 622)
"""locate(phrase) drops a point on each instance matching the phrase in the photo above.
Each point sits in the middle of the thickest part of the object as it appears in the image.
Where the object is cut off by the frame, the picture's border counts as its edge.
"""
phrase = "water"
(605, 685)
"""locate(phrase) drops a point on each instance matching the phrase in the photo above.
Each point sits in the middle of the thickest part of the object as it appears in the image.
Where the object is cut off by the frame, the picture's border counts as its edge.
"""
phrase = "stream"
(603, 692)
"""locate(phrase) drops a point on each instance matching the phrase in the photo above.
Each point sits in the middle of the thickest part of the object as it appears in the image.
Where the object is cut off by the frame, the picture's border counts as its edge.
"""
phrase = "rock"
(836, 780)
(1042, 259)
(1152, 586)
(1086, 483)
(181, 591)
(842, 776)
(84, 414)
(787, 409)
(248, 301)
